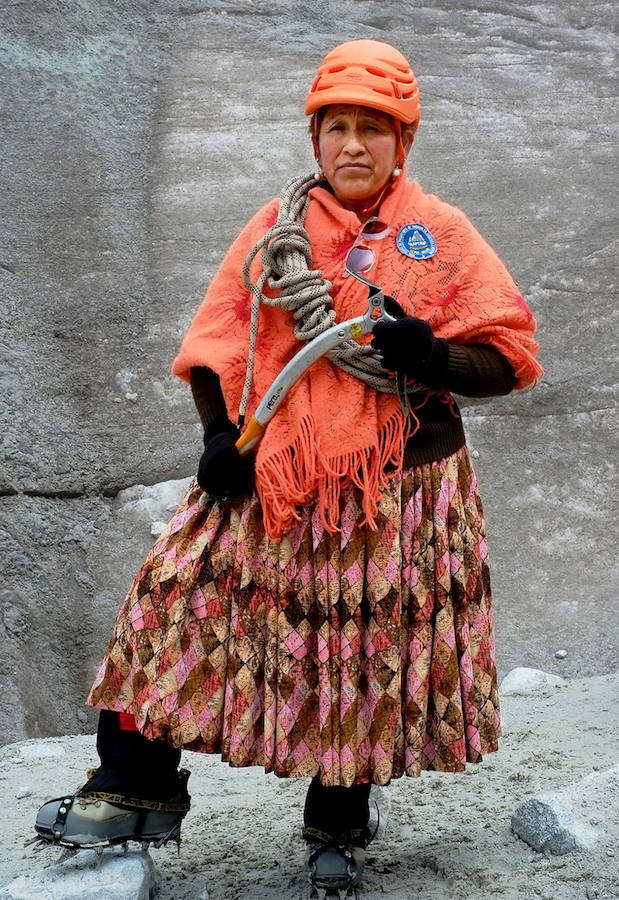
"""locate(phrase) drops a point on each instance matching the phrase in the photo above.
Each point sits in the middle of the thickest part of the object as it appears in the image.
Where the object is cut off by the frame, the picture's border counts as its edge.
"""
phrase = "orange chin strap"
(399, 154)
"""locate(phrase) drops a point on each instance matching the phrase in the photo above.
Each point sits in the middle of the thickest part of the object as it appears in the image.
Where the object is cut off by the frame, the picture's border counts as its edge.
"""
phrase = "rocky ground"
(447, 837)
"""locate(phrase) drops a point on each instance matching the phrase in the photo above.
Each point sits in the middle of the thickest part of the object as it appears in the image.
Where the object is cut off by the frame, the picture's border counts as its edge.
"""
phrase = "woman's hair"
(400, 128)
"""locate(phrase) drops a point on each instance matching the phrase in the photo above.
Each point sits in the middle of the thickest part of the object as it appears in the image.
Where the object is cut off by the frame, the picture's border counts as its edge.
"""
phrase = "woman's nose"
(353, 143)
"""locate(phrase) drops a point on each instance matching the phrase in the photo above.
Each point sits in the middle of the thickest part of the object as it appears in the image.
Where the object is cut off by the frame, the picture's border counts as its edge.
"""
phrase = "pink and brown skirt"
(361, 655)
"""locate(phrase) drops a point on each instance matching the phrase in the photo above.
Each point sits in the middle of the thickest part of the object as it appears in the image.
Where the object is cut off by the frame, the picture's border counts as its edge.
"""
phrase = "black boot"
(137, 793)
(336, 831)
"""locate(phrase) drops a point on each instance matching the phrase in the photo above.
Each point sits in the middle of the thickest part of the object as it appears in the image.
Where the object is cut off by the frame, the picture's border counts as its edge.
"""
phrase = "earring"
(319, 174)
(397, 171)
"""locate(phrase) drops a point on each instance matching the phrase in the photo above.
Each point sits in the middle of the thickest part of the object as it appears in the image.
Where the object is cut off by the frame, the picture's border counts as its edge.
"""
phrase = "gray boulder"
(522, 680)
(117, 876)
(573, 819)
(548, 824)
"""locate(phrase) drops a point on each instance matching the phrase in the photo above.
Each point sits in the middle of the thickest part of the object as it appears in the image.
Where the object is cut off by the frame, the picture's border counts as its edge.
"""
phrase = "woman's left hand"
(410, 347)
(222, 471)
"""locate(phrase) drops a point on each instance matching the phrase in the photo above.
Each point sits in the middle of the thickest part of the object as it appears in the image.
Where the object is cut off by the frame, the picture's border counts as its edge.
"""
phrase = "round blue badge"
(416, 241)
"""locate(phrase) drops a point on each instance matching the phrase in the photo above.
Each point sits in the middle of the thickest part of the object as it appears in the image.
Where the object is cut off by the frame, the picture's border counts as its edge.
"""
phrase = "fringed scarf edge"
(299, 473)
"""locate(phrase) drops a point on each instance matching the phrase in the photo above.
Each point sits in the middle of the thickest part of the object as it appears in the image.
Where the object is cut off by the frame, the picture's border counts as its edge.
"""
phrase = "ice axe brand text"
(273, 399)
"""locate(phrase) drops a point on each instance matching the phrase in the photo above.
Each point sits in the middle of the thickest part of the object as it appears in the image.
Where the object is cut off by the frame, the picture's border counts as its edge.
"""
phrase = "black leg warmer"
(132, 764)
(336, 810)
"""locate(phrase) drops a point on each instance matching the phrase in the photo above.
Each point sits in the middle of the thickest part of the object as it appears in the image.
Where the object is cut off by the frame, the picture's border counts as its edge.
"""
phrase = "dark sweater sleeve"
(477, 370)
(207, 395)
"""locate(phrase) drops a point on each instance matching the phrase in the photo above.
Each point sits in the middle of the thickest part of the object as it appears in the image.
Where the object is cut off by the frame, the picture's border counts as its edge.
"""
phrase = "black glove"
(409, 346)
(222, 471)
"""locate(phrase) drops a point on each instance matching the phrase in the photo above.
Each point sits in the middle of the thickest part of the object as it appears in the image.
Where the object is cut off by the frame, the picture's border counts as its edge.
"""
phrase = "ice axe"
(301, 361)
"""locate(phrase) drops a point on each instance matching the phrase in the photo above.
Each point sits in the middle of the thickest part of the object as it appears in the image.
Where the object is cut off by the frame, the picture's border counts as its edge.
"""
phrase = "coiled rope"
(286, 261)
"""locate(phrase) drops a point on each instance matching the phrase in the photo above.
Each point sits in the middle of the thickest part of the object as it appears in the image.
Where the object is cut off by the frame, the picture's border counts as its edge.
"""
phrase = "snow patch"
(155, 502)
(40, 750)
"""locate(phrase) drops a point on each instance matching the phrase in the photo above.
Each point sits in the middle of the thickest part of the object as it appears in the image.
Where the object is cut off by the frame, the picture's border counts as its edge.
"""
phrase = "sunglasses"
(360, 258)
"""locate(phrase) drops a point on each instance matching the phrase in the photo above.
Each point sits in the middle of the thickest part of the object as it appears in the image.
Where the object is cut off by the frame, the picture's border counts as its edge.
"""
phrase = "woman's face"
(357, 149)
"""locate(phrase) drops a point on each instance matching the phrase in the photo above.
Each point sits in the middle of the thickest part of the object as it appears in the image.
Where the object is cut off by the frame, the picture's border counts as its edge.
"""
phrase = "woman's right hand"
(222, 471)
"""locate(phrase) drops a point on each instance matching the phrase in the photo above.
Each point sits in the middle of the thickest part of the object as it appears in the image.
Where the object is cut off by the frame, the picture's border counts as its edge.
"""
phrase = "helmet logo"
(416, 241)
(353, 76)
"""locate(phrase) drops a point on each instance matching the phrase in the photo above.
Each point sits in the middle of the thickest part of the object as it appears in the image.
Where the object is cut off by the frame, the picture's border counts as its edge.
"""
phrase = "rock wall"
(138, 138)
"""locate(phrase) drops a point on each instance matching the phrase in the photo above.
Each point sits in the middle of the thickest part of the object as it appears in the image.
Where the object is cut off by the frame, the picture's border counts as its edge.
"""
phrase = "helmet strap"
(399, 154)
(399, 163)
(314, 127)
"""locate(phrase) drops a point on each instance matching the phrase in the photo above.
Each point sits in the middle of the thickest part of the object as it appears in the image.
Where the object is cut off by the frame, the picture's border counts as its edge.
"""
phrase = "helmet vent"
(396, 65)
(366, 73)
(374, 71)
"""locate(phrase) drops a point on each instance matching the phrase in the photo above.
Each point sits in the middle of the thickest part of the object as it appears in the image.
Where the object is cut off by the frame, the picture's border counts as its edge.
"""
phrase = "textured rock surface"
(547, 823)
(84, 877)
(137, 138)
(572, 819)
(527, 681)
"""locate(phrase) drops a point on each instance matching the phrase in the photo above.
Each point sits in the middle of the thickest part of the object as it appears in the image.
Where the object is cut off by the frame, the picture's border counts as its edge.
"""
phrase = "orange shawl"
(332, 429)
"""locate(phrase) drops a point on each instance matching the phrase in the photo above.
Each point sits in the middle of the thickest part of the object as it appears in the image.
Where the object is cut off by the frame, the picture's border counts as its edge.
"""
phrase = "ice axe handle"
(250, 437)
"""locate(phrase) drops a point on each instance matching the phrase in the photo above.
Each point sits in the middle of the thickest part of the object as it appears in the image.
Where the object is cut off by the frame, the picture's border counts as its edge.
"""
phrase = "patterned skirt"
(361, 655)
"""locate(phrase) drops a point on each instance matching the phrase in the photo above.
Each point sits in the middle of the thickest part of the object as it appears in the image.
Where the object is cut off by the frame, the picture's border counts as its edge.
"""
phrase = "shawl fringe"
(292, 476)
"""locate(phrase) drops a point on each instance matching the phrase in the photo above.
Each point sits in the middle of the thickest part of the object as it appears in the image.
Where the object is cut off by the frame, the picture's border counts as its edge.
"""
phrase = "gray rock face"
(138, 139)
(116, 876)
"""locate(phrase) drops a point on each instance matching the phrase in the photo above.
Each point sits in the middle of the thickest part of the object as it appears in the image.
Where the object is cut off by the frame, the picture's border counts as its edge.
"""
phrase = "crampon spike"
(174, 834)
(35, 840)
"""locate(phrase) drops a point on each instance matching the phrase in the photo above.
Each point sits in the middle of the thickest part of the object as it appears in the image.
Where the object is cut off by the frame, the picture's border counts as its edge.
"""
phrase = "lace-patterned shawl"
(332, 429)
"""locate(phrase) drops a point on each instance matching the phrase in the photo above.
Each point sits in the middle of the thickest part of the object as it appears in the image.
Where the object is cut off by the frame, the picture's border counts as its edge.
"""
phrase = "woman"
(324, 609)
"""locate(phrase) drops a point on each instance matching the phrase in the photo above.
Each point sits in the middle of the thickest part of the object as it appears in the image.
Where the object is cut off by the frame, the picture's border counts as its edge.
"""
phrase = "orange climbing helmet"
(368, 73)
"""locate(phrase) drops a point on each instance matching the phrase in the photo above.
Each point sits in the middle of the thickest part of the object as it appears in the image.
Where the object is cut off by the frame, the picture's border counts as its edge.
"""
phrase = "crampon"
(91, 819)
(335, 865)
